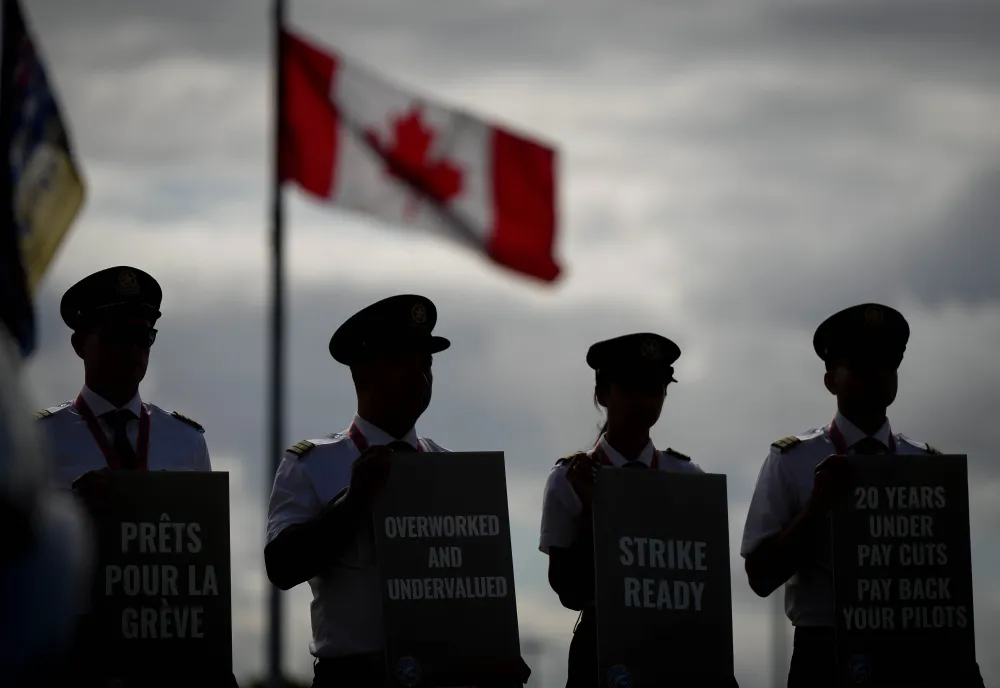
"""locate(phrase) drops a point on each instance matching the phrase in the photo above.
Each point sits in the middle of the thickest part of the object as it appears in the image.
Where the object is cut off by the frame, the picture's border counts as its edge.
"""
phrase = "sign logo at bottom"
(618, 677)
(858, 669)
(408, 671)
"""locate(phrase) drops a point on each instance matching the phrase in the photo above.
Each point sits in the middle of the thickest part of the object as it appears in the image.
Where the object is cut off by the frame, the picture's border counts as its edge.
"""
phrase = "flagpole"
(277, 327)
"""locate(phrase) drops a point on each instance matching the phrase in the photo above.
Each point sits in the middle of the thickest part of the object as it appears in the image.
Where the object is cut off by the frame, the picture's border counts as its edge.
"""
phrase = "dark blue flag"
(41, 190)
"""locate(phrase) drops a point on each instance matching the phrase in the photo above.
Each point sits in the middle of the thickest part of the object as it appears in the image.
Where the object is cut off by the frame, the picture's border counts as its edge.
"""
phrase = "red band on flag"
(524, 193)
(309, 134)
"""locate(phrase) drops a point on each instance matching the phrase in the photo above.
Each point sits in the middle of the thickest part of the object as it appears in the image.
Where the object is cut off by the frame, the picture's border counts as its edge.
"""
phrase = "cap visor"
(439, 344)
(127, 306)
(638, 375)
(431, 345)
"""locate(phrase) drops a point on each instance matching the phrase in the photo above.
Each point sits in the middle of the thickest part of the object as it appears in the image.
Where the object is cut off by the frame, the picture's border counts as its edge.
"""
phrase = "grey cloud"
(105, 32)
(936, 39)
(448, 34)
(957, 260)
(941, 25)
(461, 36)
(940, 259)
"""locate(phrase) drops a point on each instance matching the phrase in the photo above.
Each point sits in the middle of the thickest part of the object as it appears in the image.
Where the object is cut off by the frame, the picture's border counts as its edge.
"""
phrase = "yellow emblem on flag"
(47, 199)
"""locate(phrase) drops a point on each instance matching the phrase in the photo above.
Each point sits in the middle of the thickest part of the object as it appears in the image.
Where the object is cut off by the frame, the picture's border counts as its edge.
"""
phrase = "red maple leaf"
(408, 159)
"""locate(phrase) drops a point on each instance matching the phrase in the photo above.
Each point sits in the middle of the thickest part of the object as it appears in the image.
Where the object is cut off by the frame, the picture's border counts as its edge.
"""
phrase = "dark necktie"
(639, 465)
(869, 446)
(118, 421)
(401, 446)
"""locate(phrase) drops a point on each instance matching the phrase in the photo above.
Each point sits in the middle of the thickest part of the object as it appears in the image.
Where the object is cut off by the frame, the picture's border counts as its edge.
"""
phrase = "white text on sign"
(163, 623)
(442, 526)
(163, 537)
(446, 556)
(149, 620)
(661, 593)
(900, 540)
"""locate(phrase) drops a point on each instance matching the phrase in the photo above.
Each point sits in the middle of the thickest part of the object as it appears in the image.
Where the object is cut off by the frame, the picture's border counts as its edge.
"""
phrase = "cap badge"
(419, 314)
(650, 349)
(127, 283)
(873, 316)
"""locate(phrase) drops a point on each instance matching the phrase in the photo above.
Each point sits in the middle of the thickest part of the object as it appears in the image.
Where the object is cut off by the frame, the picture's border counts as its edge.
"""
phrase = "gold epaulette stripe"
(786, 443)
(300, 449)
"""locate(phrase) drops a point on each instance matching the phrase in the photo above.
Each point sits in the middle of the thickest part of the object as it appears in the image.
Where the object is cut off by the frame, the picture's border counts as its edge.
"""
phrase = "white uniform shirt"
(347, 603)
(176, 443)
(783, 488)
(561, 506)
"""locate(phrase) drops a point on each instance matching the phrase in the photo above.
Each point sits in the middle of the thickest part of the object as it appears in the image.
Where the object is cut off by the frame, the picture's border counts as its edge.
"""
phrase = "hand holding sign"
(833, 481)
(581, 474)
(94, 488)
(369, 474)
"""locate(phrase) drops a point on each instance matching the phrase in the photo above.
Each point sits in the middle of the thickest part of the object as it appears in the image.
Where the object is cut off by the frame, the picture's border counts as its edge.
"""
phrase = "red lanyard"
(840, 444)
(602, 457)
(362, 444)
(142, 450)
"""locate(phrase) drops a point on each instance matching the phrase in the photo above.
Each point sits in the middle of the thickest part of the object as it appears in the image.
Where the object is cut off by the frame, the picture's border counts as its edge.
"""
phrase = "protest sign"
(442, 539)
(903, 573)
(162, 586)
(663, 588)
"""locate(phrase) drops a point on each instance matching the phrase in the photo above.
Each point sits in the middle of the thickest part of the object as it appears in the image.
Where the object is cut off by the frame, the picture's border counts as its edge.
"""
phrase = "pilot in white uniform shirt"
(632, 374)
(783, 488)
(640, 366)
(109, 427)
(319, 519)
(786, 538)
(347, 601)
(319, 526)
(111, 314)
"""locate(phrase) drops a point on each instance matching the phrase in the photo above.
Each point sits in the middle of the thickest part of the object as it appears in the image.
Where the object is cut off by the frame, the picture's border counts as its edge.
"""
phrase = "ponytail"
(604, 427)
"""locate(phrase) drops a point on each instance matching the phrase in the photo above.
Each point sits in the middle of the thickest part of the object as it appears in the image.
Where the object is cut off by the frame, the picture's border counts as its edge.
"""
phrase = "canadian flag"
(351, 138)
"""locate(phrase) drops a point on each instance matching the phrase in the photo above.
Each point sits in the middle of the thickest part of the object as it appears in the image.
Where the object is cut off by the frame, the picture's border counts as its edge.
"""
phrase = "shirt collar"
(375, 435)
(852, 434)
(99, 405)
(645, 456)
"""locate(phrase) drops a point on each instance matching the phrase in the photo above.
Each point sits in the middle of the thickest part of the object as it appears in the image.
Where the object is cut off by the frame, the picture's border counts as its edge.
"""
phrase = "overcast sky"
(732, 172)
